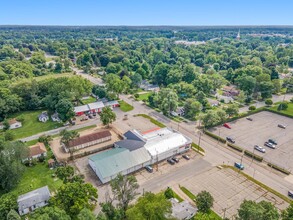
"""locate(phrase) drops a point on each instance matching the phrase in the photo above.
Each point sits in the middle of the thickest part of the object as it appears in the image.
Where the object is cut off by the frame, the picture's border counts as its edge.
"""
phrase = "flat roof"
(96, 105)
(82, 108)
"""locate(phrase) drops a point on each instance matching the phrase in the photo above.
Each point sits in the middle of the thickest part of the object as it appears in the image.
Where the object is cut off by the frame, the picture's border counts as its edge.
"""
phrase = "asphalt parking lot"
(229, 189)
(263, 127)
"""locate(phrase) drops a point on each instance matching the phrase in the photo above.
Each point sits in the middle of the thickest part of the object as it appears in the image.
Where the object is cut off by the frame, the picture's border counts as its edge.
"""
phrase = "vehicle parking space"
(264, 126)
(229, 189)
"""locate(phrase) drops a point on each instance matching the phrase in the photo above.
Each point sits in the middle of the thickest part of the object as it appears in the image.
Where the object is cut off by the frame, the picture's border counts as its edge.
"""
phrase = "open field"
(229, 189)
(31, 125)
(263, 127)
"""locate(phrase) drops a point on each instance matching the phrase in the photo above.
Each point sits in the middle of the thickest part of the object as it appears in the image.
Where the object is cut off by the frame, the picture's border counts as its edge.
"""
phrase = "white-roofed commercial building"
(138, 150)
(96, 107)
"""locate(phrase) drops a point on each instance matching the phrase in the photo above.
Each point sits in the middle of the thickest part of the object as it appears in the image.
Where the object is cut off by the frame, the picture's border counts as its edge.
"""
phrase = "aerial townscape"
(129, 111)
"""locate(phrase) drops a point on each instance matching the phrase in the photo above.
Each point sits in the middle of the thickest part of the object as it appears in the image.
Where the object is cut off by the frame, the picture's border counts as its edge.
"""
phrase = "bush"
(283, 106)
(291, 100)
(218, 138)
(268, 102)
(279, 168)
(235, 147)
(254, 156)
(169, 193)
(204, 201)
(9, 136)
(136, 95)
(20, 118)
(251, 108)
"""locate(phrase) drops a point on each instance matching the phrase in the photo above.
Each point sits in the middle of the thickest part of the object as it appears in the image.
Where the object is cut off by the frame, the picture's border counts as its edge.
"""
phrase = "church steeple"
(238, 35)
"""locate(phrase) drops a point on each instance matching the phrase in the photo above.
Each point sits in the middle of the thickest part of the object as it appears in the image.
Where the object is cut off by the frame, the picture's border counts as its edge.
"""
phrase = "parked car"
(186, 157)
(259, 148)
(230, 139)
(170, 161)
(273, 141)
(270, 145)
(149, 168)
(175, 159)
(249, 119)
(290, 193)
(239, 166)
(91, 117)
(282, 126)
(227, 125)
(94, 114)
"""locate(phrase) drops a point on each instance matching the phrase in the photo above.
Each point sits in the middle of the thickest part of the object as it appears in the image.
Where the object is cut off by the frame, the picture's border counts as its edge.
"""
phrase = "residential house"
(145, 85)
(179, 112)
(36, 151)
(43, 117)
(55, 117)
(182, 210)
(13, 124)
(32, 200)
(213, 102)
(88, 140)
(230, 91)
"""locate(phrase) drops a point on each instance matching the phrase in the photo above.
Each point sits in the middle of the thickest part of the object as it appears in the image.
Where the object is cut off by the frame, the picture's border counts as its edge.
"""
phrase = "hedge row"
(254, 156)
(279, 113)
(235, 147)
(279, 168)
(218, 138)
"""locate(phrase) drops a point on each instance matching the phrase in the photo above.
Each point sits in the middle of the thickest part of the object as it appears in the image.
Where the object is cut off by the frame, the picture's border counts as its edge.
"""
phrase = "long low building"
(95, 107)
(138, 150)
(88, 140)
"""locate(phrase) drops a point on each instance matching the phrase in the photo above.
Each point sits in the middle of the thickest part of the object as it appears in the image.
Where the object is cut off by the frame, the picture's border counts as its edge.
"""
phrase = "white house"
(55, 117)
(32, 200)
(43, 117)
(13, 124)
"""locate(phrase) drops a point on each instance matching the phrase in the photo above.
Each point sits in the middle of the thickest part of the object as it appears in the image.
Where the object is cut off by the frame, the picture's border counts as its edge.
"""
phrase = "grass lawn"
(144, 96)
(53, 75)
(288, 111)
(89, 100)
(124, 106)
(35, 177)
(31, 125)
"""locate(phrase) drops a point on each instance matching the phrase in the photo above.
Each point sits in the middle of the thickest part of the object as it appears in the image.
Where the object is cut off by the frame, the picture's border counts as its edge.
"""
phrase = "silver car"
(259, 148)
(270, 145)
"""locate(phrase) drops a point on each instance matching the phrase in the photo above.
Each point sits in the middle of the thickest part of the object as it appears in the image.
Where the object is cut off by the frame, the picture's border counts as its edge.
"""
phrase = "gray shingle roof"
(33, 197)
(130, 144)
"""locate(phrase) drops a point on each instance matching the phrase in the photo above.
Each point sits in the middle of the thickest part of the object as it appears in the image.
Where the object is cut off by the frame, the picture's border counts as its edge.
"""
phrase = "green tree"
(11, 167)
(250, 210)
(58, 67)
(65, 111)
(9, 102)
(287, 214)
(124, 190)
(9, 135)
(150, 207)
(6, 125)
(67, 136)
(213, 117)
(86, 214)
(204, 201)
(160, 73)
(65, 173)
(107, 116)
(8, 202)
(191, 108)
(49, 213)
(232, 109)
(268, 102)
(167, 100)
(45, 139)
(73, 197)
(109, 212)
(114, 84)
(282, 106)
(246, 83)
(169, 193)
(13, 215)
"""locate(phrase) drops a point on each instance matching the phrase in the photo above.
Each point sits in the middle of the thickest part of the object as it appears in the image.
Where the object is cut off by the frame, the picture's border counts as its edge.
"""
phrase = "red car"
(227, 125)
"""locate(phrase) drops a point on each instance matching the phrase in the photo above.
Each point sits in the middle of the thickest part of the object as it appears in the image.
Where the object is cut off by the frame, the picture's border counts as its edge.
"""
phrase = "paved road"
(94, 80)
(215, 153)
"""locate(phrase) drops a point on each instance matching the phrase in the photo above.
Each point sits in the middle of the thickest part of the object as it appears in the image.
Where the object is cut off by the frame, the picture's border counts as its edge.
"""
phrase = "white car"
(259, 148)
(270, 145)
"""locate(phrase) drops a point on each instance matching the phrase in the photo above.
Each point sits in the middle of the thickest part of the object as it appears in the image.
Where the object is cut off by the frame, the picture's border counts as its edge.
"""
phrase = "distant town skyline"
(146, 12)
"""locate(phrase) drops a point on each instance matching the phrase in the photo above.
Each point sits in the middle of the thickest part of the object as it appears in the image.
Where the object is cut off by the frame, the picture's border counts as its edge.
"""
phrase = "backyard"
(144, 96)
(31, 125)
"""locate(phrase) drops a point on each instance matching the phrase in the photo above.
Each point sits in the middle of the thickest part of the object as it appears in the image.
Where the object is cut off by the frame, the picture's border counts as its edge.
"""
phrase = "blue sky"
(146, 12)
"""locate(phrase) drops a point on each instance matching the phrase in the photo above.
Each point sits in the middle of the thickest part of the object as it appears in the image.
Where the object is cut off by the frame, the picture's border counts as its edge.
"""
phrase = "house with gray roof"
(43, 117)
(182, 210)
(32, 200)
